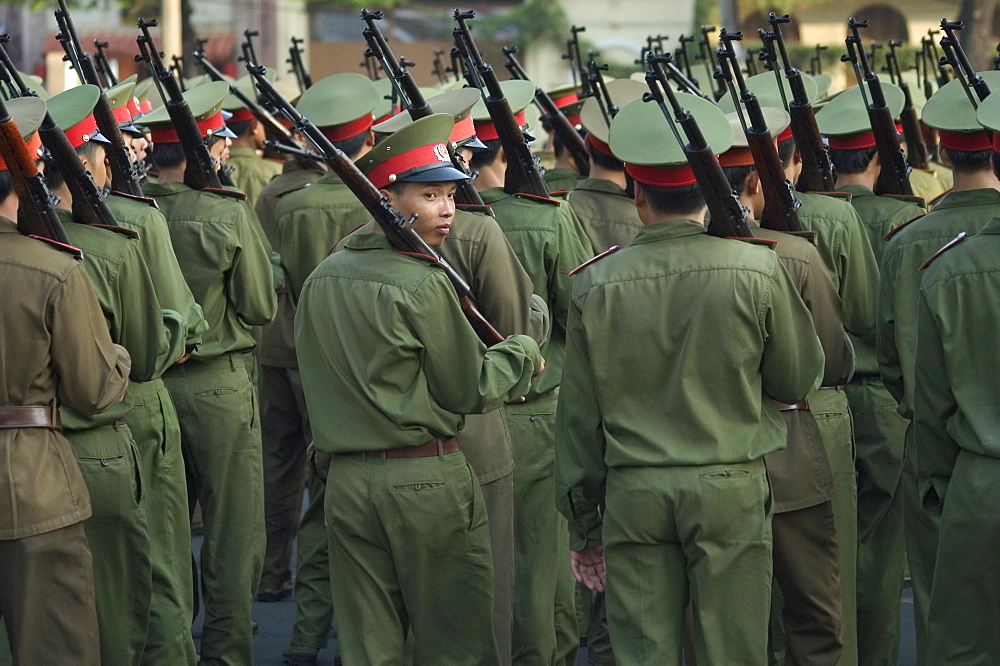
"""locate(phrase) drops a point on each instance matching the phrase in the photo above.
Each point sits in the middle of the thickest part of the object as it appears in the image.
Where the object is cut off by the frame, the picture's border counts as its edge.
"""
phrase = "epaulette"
(936, 200)
(908, 198)
(275, 160)
(74, 252)
(149, 201)
(475, 208)
(294, 189)
(127, 233)
(947, 246)
(892, 232)
(232, 194)
(559, 193)
(845, 196)
(420, 255)
(533, 197)
(765, 242)
(610, 250)
(809, 236)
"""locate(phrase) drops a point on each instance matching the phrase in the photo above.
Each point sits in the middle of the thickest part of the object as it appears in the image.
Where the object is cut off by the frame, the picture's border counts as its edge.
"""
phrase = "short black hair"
(6, 185)
(240, 128)
(786, 149)
(167, 155)
(609, 162)
(54, 175)
(482, 158)
(995, 161)
(737, 176)
(852, 161)
(685, 200)
(351, 147)
(966, 163)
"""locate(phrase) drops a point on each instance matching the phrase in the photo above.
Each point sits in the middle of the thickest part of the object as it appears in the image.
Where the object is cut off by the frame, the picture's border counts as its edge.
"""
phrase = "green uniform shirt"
(606, 212)
(386, 356)
(561, 179)
(277, 344)
(143, 217)
(899, 286)
(251, 172)
(955, 392)
(927, 185)
(546, 237)
(225, 261)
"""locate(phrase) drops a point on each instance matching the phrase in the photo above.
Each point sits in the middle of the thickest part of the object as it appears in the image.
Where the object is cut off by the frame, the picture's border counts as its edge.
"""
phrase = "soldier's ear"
(370, 139)
(753, 182)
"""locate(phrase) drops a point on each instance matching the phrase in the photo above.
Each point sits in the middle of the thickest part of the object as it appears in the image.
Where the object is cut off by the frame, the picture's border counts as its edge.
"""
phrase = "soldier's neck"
(8, 207)
(65, 198)
(171, 174)
(864, 179)
(490, 176)
(616, 177)
(975, 180)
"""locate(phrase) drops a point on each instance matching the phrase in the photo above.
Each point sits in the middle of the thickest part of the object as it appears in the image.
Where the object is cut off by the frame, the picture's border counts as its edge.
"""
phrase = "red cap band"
(856, 142)
(736, 157)
(34, 149)
(145, 106)
(966, 142)
(487, 131)
(574, 120)
(566, 101)
(132, 106)
(122, 114)
(435, 153)
(348, 130)
(996, 141)
(80, 133)
(241, 115)
(598, 145)
(786, 135)
(285, 122)
(658, 176)
(464, 129)
(168, 135)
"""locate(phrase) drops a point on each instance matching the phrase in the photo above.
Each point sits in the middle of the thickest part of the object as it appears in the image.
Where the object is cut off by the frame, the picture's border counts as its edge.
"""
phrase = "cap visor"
(97, 136)
(473, 143)
(130, 127)
(226, 132)
(437, 174)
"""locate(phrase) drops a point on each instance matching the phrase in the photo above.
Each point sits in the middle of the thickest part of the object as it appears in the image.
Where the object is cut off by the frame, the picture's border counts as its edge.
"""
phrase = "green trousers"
(409, 543)
(314, 604)
(119, 539)
(833, 418)
(685, 544)
(284, 438)
(879, 433)
(47, 600)
(922, 533)
(157, 435)
(541, 551)
(220, 437)
(965, 596)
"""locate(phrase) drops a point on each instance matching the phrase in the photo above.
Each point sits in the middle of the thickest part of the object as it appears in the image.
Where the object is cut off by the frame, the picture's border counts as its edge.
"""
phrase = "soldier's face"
(434, 204)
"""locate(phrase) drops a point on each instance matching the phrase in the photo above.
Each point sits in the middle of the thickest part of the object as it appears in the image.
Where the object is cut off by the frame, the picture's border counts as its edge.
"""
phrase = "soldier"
(154, 425)
(226, 264)
(549, 243)
(805, 553)
(601, 202)
(251, 172)
(955, 426)
(408, 534)
(966, 147)
(57, 351)
(690, 435)
(563, 176)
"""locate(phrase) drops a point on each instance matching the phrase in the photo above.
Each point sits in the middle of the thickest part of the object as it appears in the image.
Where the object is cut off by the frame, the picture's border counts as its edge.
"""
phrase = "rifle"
(103, 66)
(199, 172)
(923, 57)
(894, 177)
(769, 56)
(179, 68)
(944, 76)
(125, 176)
(960, 61)
(293, 150)
(249, 53)
(457, 64)
(553, 115)
(751, 61)
(522, 176)
(708, 55)
(996, 60)
(817, 169)
(684, 40)
(36, 213)
(780, 203)
(916, 148)
(573, 52)
(398, 229)
(298, 67)
(411, 97)
(439, 67)
(608, 108)
(728, 216)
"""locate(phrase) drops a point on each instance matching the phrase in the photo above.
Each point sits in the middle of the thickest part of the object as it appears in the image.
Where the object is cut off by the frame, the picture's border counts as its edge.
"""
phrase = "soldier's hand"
(539, 370)
(588, 567)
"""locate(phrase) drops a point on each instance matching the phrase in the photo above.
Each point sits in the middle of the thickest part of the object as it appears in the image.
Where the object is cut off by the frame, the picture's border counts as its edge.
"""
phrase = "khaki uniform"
(927, 185)
(606, 213)
(56, 351)
(955, 435)
(400, 376)
(908, 248)
(226, 264)
(674, 441)
(251, 172)
(561, 179)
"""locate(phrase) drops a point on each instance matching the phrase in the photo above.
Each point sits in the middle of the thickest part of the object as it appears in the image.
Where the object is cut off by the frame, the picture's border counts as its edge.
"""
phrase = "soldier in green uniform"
(226, 264)
(386, 388)
(251, 172)
(153, 422)
(805, 552)
(965, 145)
(955, 427)
(690, 435)
(563, 176)
(105, 446)
(602, 204)
(56, 351)
(549, 242)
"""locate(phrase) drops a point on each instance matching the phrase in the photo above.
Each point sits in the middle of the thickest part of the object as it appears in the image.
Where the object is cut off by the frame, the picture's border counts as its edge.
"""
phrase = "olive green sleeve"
(858, 272)
(889, 363)
(502, 287)
(251, 281)
(823, 302)
(570, 253)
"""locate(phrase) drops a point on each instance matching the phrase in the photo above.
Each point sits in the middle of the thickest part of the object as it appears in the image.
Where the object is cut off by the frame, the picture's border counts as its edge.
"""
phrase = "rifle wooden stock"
(398, 229)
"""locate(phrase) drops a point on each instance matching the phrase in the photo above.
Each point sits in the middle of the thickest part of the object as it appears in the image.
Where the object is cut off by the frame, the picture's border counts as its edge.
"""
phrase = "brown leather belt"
(425, 450)
(30, 417)
(785, 407)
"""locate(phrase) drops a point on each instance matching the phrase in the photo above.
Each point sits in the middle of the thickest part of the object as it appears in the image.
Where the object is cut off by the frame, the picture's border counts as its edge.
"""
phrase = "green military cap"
(765, 87)
(844, 119)
(989, 117)
(33, 82)
(641, 137)
(822, 82)
(953, 115)
(417, 152)
(385, 107)
(200, 80)
(146, 92)
(567, 99)
(519, 95)
(124, 105)
(73, 111)
(205, 103)
(778, 125)
(457, 104)
(28, 114)
(340, 105)
(621, 92)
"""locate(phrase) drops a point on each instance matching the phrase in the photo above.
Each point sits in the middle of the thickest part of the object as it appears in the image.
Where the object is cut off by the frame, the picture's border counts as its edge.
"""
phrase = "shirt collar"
(7, 226)
(601, 185)
(856, 190)
(493, 194)
(978, 197)
(368, 240)
(667, 230)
